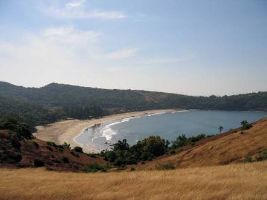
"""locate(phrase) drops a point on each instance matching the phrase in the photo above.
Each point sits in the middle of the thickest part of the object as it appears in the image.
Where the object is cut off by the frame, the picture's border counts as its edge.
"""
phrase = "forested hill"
(59, 101)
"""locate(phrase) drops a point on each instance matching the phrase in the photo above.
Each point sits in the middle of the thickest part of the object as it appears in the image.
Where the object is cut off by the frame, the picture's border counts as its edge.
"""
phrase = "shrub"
(35, 144)
(49, 148)
(12, 157)
(262, 156)
(22, 130)
(75, 154)
(122, 154)
(172, 152)
(245, 125)
(95, 168)
(146, 156)
(182, 140)
(78, 149)
(51, 144)
(248, 159)
(166, 166)
(66, 146)
(153, 145)
(38, 163)
(65, 160)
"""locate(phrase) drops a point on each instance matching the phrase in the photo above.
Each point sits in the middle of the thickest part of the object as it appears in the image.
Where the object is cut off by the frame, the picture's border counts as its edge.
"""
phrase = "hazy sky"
(191, 47)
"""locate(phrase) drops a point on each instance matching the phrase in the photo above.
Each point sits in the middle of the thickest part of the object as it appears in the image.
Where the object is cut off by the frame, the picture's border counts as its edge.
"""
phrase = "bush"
(245, 125)
(248, 159)
(153, 145)
(95, 168)
(35, 144)
(11, 157)
(38, 163)
(75, 154)
(122, 154)
(65, 160)
(78, 149)
(262, 156)
(166, 166)
(182, 140)
(51, 144)
(66, 146)
(22, 130)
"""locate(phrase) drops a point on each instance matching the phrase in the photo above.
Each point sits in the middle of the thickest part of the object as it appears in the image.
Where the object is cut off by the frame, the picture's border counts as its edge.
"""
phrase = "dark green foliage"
(95, 168)
(9, 147)
(122, 154)
(153, 145)
(22, 130)
(57, 101)
(182, 140)
(35, 144)
(166, 166)
(78, 149)
(51, 144)
(245, 125)
(10, 157)
(66, 146)
(262, 156)
(38, 163)
(248, 159)
(65, 160)
(75, 154)
(220, 129)
(121, 145)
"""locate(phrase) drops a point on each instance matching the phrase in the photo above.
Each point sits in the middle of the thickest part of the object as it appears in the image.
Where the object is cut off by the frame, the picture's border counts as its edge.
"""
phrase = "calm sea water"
(166, 125)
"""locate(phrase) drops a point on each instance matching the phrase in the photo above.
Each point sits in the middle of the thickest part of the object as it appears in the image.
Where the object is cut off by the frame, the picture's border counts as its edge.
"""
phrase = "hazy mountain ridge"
(58, 101)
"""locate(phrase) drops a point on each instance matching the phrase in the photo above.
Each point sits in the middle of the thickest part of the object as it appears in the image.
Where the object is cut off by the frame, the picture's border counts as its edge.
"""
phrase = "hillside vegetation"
(238, 181)
(231, 147)
(18, 148)
(59, 101)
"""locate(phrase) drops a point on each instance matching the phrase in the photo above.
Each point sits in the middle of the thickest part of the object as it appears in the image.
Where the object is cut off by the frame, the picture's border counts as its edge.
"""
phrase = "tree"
(180, 141)
(220, 129)
(245, 125)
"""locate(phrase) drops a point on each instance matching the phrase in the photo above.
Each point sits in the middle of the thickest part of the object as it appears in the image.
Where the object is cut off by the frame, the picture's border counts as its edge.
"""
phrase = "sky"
(180, 46)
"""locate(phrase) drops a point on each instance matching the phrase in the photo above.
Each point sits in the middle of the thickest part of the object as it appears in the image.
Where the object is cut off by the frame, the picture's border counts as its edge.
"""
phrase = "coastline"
(68, 130)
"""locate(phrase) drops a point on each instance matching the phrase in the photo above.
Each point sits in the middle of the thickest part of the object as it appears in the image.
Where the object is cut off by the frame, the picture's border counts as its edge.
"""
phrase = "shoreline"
(69, 130)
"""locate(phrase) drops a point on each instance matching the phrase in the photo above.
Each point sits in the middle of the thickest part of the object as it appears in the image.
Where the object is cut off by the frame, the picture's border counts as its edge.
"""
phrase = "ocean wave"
(108, 133)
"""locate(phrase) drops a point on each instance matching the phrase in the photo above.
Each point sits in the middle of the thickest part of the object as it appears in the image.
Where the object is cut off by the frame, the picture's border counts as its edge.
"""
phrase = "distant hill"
(59, 101)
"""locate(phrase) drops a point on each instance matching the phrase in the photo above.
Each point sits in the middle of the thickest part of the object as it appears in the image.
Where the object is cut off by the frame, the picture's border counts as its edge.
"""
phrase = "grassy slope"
(222, 149)
(237, 181)
(198, 181)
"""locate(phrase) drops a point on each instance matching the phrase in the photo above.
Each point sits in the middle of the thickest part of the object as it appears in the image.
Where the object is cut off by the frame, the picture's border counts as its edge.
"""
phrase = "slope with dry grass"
(236, 181)
(233, 146)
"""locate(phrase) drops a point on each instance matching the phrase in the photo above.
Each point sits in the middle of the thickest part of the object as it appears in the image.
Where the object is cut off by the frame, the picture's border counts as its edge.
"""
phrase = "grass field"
(237, 181)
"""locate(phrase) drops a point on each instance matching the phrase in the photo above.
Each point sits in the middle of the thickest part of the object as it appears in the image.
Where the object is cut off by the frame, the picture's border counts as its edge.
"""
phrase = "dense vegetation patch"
(22, 130)
(123, 154)
(57, 101)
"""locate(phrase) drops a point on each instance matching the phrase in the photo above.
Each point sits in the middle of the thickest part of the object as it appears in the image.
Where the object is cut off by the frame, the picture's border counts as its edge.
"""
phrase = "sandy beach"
(65, 131)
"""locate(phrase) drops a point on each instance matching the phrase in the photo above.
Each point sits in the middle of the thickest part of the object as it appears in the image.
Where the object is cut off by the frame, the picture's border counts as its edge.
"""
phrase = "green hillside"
(59, 101)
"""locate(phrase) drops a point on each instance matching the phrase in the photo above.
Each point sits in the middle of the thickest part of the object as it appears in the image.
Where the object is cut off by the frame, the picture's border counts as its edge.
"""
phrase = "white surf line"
(107, 128)
(122, 120)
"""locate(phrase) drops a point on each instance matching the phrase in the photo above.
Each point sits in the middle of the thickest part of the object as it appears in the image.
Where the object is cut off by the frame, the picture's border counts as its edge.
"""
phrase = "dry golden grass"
(237, 181)
(222, 149)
